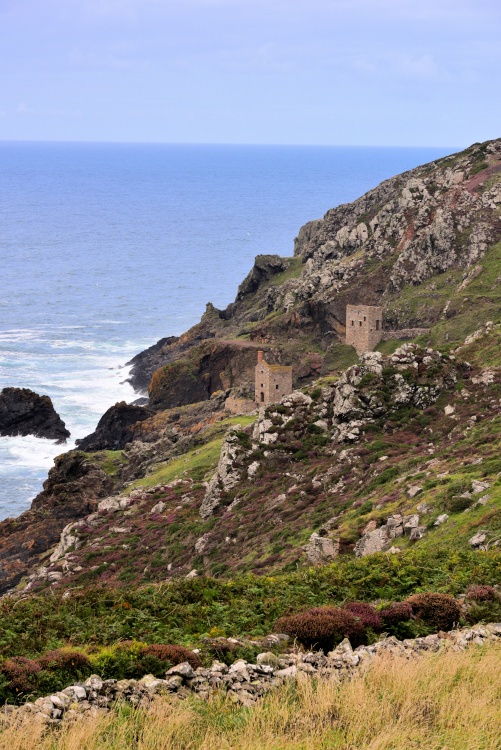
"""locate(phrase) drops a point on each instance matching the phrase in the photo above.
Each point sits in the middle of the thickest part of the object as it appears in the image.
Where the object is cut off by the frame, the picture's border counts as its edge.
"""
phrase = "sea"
(105, 248)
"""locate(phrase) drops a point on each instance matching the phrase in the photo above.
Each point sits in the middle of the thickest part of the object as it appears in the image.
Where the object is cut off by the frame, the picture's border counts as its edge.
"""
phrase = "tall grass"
(449, 701)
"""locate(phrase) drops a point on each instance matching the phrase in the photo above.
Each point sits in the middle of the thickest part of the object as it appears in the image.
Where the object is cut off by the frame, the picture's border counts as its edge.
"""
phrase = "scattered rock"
(158, 508)
(414, 491)
(411, 522)
(371, 542)
(417, 533)
(441, 519)
(478, 486)
(478, 539)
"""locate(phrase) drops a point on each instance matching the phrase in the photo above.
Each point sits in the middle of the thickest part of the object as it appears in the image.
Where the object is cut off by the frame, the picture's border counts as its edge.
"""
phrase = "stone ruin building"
(272, 381)
(364, 326)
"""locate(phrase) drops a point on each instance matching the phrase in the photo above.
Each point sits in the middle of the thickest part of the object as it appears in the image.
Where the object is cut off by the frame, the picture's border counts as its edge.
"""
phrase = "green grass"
(198, 463)
(469, 308)
(292, 272)
(111, 461)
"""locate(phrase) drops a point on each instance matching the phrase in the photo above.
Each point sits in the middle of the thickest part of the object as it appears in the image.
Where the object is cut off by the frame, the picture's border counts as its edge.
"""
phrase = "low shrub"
(322, 628)
(18, 678)
(441, 611)
(395, 613)
(157, 658)
(118, 662)
(366, 613)
(482, 593)
(60, 668)
(483, 611)
(228, 652)
(458, 504)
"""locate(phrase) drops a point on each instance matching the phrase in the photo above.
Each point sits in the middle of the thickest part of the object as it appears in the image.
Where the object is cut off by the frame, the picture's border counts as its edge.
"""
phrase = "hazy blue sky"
(354, 72)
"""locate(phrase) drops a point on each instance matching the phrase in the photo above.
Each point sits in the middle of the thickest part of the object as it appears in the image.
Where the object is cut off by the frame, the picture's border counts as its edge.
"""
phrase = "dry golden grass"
(450, 701)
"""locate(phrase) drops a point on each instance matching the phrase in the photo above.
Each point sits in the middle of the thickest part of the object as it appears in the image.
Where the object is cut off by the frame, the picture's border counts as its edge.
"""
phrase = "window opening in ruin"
(353, 322)
(365, 318)
(360, 324)
(276, 387)
(262, 397)
(377, 325)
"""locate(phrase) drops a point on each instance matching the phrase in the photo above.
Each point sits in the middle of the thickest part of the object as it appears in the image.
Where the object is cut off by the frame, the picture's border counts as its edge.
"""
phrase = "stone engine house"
(364, 326)
(272, 381)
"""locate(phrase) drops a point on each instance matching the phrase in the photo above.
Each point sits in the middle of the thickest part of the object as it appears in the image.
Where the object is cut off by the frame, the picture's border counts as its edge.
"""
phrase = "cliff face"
(332, 468)
(436, 219)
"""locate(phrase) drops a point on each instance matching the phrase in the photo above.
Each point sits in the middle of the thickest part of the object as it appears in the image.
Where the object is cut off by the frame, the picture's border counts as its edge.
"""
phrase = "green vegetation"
(183, 611)
(196, 464)
(292, 272)
(467, 308)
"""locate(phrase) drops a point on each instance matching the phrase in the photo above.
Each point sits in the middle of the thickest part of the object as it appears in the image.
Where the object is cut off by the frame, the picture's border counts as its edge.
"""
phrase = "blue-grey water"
(105, 248)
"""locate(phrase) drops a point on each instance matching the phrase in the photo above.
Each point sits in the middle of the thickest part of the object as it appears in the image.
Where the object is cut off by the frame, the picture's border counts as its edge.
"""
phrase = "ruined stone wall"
(364, 326)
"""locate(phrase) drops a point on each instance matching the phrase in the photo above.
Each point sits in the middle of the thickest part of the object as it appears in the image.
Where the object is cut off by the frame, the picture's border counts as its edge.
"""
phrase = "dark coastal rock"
(265, 266)
(24, 412)
(113, 430)
(71, 492)
(146, 362)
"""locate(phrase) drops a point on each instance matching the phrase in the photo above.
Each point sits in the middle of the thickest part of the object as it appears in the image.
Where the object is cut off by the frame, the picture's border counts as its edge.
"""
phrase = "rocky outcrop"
(74, 485)
(113, 430)
(265, 266)
(227, 476)
(144, 364)
(439, 216)
(211, 367)
(321, 549)
(378, 539)
(244, 682)
(377, 386)
(24, 412)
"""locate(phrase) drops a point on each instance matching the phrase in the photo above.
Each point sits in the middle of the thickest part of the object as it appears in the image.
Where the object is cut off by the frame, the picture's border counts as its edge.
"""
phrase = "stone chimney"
(260, 356)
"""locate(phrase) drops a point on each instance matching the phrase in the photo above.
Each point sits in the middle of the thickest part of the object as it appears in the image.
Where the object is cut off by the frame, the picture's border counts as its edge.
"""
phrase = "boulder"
(113, 429)
(24, 412)
(371, 542)
(478, 539)
(321, 549)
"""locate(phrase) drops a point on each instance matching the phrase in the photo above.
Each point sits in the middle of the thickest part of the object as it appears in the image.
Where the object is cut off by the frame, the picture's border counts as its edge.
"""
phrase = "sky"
(333, 72)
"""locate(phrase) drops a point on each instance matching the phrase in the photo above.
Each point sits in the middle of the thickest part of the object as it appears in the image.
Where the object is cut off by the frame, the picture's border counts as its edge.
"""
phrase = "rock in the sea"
(113, 429)
(24, 412)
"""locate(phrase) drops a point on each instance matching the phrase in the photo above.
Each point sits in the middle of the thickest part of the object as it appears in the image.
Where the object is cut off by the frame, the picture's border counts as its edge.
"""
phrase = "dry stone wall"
(244, 682)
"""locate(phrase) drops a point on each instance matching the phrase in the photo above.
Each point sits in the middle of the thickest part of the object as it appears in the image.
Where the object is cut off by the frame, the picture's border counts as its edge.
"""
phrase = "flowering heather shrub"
(170, 655)
(19, 677)
(67, 661)
(482, 593)
(441, 611)
(395, 613)
(322, 627)
(366, 613)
